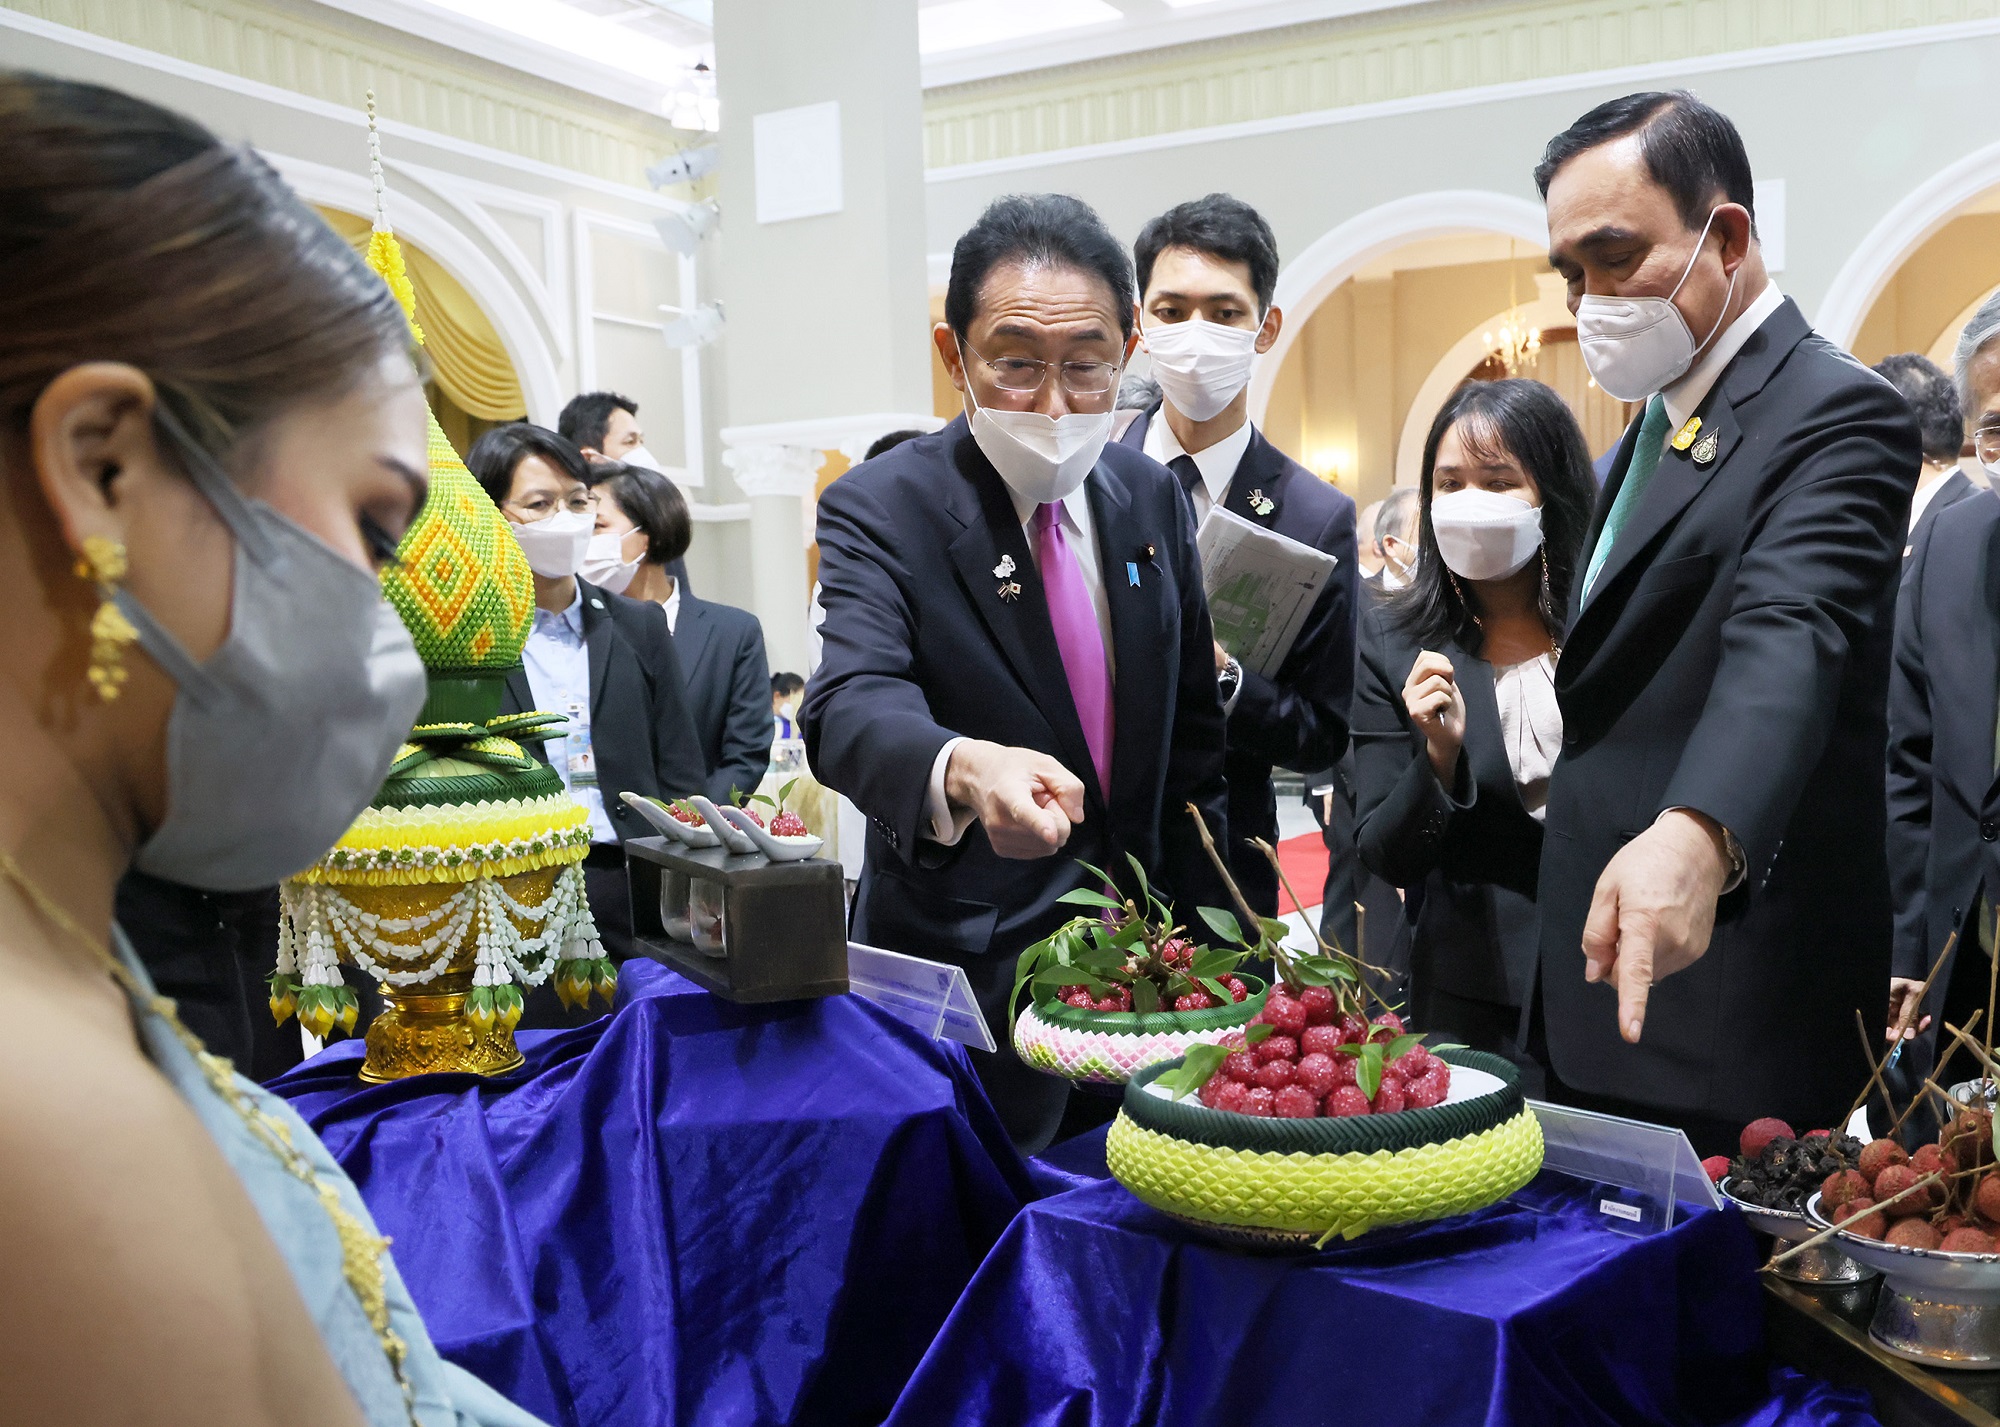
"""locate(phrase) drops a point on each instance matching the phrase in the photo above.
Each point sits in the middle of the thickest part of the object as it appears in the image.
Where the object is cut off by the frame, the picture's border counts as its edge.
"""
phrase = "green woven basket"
(1298, 1182)
(1109, 1047)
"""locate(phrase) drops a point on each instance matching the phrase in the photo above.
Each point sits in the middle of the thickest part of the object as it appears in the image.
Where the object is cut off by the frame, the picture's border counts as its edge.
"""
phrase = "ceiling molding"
(1351, 73)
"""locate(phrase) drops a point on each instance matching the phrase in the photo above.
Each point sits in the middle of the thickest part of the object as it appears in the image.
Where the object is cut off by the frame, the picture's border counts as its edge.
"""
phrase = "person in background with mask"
(1456, 726)
(1714, 890)
(642, 528)
(1934, 401)
(605, 427)
(788, 691)
(604, 662)
(1944, 700)
(1019, 672)
(1207, 270)
(212, 437)
(1395, 533)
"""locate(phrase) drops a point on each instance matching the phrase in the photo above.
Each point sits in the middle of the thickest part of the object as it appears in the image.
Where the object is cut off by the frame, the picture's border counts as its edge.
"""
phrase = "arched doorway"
(1937, 285)
(473, 385)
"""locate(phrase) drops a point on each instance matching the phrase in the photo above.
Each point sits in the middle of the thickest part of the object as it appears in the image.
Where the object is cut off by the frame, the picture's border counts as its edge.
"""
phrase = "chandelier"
(1517, 343)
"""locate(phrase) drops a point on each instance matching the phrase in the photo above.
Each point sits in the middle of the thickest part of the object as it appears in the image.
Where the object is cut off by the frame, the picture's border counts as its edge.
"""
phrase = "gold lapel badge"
(1684, 437)
(1262, 503)
(1704, 450)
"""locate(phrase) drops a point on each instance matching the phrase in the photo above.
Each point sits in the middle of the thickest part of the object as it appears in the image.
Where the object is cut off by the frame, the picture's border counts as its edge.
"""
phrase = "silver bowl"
(1823, 1263)
(1935, 1308)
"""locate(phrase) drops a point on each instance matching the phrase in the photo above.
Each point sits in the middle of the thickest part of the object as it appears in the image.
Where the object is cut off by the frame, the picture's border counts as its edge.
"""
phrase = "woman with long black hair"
(1456, 726)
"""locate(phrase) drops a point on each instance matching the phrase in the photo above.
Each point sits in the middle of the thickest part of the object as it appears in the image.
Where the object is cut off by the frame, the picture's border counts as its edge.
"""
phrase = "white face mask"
(641, 457)
(1041, 458)
(1395, 573)
(555, 544)
(604, 562)
(1484, 535)
(1201, 365)
(1635, 346)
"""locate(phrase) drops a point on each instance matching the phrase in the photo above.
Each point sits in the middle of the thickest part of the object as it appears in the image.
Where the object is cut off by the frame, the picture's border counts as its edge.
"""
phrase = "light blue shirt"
(558, 666)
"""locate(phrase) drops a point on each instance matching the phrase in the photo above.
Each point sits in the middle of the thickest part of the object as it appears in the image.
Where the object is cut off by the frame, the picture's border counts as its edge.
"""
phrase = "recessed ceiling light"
(964, 24)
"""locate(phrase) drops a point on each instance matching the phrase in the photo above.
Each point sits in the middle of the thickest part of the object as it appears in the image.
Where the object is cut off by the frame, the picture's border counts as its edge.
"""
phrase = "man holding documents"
(1017, 673)
(1277, 543)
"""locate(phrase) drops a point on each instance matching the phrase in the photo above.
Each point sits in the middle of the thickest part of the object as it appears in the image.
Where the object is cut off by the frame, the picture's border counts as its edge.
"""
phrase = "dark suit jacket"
(1733, 658)
(721, 651)
(1944, 697)
(920, 646)
(1953, 489)
(639, 725)
(1299, 719)
(1470, 855)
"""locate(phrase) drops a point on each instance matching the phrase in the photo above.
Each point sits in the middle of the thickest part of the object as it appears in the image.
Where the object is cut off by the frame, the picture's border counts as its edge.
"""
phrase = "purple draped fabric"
(690, 1212)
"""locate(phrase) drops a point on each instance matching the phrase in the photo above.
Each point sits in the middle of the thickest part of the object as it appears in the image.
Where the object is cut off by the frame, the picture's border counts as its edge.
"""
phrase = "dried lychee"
(1911, 1233)
(1759, 1133)
(1878, 1155)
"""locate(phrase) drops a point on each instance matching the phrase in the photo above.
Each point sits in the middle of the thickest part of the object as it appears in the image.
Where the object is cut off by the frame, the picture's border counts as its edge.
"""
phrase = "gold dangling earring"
(103, 564)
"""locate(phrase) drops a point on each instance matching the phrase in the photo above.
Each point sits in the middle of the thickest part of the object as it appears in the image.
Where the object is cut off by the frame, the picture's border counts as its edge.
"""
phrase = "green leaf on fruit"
(1368, 1074)
(1223, 923)
(1145, 996)
(1216, 989)
(1398, 1047)
(1256, 1033)
(1084, 897)
(785, 790)
(1194, 1072)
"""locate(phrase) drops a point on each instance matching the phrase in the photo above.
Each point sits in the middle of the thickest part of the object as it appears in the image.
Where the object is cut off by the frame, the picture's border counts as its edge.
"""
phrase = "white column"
(778, 480)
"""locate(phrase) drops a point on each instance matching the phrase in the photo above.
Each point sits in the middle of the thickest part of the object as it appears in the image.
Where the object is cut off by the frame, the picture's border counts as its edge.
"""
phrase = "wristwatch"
(1229, 679)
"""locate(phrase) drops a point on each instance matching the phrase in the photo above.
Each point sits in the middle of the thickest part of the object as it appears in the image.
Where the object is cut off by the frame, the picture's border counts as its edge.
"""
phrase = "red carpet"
(1304, 860)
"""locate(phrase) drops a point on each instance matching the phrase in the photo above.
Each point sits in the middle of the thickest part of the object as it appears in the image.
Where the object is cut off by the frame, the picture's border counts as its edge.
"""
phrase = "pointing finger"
(1634, 974)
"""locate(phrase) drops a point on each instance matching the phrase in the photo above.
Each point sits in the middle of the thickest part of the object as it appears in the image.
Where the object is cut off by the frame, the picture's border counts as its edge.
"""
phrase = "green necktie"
(1639, 475)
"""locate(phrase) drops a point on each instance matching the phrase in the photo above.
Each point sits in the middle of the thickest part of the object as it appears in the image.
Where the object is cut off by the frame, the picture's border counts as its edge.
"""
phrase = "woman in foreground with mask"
(212, 437)
(1456, 726)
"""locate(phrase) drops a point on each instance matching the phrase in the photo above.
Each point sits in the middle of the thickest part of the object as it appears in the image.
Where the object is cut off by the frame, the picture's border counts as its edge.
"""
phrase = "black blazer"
(1469, 855)
(1299, 719)
(1733, 658)
(1953, 489)
(639, 725)
(920, 646)
(1944, 697)
(721, 651)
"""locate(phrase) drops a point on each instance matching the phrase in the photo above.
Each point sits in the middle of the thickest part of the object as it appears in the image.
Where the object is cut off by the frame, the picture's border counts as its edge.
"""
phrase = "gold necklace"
(362, 1252)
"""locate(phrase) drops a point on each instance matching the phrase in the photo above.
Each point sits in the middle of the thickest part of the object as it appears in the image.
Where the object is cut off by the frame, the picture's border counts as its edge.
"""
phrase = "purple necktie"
(1074, 615)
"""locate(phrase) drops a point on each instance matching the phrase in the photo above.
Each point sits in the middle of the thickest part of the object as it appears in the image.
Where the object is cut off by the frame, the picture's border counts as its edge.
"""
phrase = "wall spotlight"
(683, 230)
(684, 166)
(696, 328)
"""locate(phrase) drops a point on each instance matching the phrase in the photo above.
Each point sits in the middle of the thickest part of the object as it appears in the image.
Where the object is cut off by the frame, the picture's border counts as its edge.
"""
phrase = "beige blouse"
(1530, 725)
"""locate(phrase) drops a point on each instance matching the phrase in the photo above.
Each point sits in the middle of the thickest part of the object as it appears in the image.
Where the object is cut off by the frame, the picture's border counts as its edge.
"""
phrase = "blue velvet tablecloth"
(1096, 1311)
(687, 1213)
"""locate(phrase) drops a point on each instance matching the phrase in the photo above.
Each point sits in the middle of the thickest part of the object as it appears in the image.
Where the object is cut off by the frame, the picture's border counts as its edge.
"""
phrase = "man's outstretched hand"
(1026, 801)
(1654, 910)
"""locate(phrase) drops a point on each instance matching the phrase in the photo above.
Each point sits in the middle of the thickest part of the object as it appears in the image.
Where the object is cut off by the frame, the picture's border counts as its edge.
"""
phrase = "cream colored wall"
(1950, 271)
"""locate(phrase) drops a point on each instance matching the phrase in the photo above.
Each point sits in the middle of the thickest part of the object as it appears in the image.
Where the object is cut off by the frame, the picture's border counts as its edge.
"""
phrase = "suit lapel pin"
(1704, 450)
(1684, 437)
(1262, 503)
(1010, 591)
(1150, 552)
(1005, 567)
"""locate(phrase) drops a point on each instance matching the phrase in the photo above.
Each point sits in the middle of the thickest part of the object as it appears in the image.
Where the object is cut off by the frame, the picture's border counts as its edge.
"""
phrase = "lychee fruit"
(1930, 1159)
(1316, 1071)
(1878, 1155)
(1967, 1241)
(1347, 1100)
(1237, 990)
(1388, 1096)
(1319, 1004)
(1239, 1065)
(1893, 1181)
(1986, 1199)
(1276, 1074)
(1230, 1096)
(1759, 1133)
(1426, 1090)
(1969, 1137)
(1259, 1102)
(789, 824)
(1393, 1021)
(1285, 1014)
(1911, 1233)
(1320, 1040)
(1717, 1166)
(1295, 1102)
(1860, 1217)
(1841, 1187)
(1275, 1048)
(1353, 1030)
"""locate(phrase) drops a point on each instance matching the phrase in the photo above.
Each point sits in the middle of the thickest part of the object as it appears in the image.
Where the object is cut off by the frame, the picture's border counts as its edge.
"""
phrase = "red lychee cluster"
(789, 824)
(1959, 1213)
(1309, 1064)
(1119, 997)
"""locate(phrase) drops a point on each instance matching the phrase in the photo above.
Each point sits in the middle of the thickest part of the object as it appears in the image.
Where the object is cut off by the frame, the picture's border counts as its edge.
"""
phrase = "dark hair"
(1039, 230)
(131, 234)
(586, 418)
(1933, 398)
(1691, 150)
(1534, 426)
(494, 456)
(783, 683)
(1393, 517)
(654, 503)
(1220, 226)
(890, 442)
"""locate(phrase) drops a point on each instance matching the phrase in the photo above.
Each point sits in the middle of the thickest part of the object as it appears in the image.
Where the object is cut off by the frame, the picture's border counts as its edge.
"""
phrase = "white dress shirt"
(1216, 463)
(1685, 396)
(672, 605)
(557, 663)
(947, 824)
